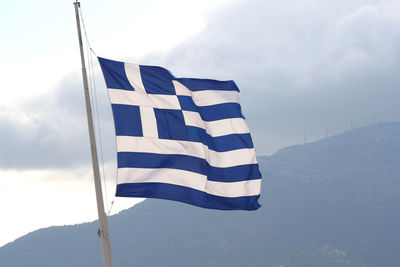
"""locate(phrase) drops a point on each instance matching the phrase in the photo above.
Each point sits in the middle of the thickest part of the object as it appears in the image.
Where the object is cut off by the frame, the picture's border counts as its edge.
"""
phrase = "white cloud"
(301, 66)
(362, 42)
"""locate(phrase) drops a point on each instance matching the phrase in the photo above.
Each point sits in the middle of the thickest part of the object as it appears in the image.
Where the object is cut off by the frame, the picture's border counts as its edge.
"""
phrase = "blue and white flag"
(181, 139)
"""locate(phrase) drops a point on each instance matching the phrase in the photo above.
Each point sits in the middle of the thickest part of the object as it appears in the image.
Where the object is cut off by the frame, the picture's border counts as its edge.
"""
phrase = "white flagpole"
(104, 230)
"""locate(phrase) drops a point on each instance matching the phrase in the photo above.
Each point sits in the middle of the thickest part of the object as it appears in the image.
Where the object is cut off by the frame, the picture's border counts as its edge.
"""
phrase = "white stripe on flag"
(207, 97)
(133, 98)
(162, 175)
(177, 147)
(216, 128)
(234, 189)
(214, 97)
(189, 179)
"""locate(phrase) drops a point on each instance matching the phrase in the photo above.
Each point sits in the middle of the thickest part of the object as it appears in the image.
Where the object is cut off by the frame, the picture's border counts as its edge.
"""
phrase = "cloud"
(303, 67)
(50, 130)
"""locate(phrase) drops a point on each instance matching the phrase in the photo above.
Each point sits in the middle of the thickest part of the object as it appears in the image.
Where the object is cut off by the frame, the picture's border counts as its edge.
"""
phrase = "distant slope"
(342, 191)
(335, 202)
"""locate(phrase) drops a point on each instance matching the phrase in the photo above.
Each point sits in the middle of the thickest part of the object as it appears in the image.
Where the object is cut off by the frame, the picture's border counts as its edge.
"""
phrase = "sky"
(306, 70)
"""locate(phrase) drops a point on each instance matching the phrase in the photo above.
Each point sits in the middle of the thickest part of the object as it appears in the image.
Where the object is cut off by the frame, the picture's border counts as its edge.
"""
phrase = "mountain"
(334, 202)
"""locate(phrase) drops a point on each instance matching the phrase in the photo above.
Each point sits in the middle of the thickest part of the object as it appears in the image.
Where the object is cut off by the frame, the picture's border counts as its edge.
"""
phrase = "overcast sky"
(304, 68)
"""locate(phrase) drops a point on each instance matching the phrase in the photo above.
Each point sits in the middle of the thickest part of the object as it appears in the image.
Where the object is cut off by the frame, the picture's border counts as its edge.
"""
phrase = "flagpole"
(104, 229)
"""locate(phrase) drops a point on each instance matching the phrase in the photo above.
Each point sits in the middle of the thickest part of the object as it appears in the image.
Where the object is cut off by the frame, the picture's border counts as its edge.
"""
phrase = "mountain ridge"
(327, 203)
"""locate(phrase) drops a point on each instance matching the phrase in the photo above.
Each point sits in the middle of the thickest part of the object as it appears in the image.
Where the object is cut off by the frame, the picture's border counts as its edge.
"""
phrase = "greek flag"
(181, 139)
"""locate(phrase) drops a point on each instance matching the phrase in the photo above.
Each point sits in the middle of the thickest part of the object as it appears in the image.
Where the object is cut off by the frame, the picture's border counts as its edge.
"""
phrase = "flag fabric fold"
(181, 139)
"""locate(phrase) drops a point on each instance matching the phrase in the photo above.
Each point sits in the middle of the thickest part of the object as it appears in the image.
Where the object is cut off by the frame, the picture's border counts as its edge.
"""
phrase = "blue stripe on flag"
(208, 84)
(187, 103)
(220, 143)
(151, 160)
(234, 174)
(220, 111)
(114, 74)
(186, 195)
(188, 163)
